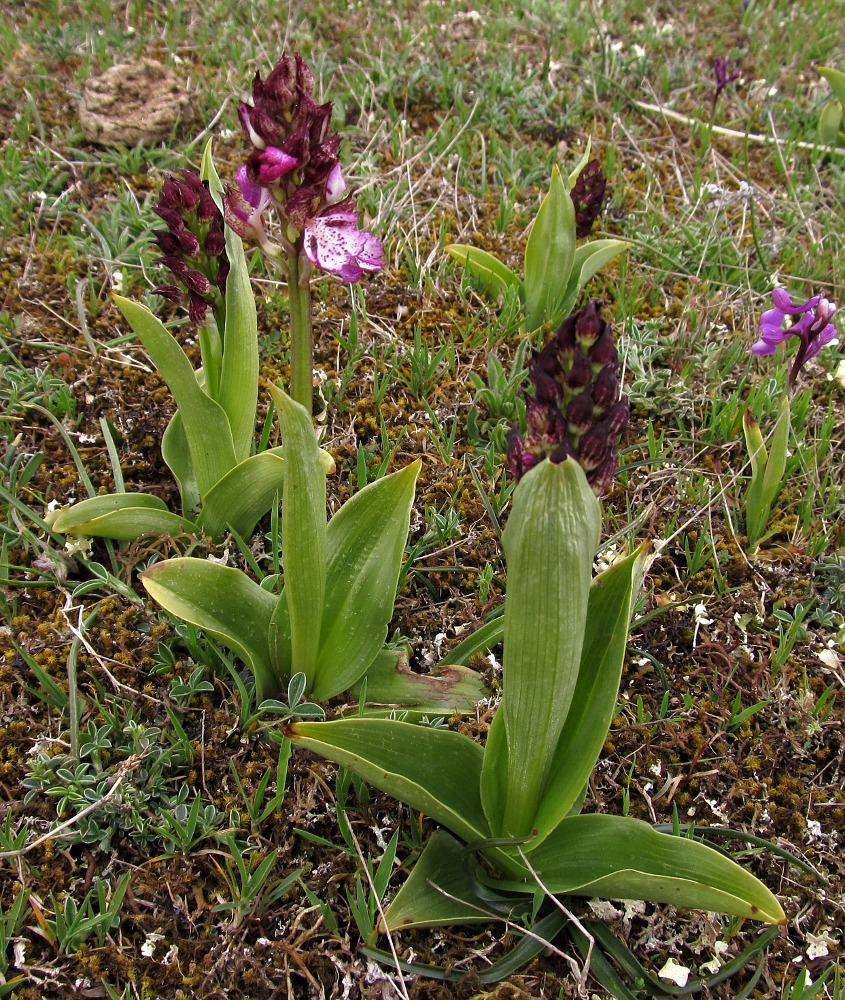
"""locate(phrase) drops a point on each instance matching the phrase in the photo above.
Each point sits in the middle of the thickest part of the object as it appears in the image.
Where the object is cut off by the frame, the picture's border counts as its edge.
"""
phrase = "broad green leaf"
(836, 79)
(244, 495)
(224, 602)
(303, 533)
(177, 455)
(365, 542)
(122, 516)
(830, 121)
(589, 259)
(549, 542)
(279, 640)
(433, 770)
(622, 858)
(443, 889)
(492, 275)
(594, 701)
(778, 453)
(446, 689)
(549, 254)
(205, 422)
(239, 375)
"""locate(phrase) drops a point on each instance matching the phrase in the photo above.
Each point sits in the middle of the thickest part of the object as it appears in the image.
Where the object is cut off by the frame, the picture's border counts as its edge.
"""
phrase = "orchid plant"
(811, 323)
(209, 445)
(328, 619)
(555, 268)
(517, 801)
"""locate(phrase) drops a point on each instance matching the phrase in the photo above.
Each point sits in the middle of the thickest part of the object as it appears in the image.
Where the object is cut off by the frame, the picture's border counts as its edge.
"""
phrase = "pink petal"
(275, 163)
(339, 248)
(335, 186)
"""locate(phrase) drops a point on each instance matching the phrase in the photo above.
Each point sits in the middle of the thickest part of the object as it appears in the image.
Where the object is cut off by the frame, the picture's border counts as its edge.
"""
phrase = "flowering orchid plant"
(292, 199)
(294, 172)
(209, 442)
(811, 323)
(555, 268)
(517, 801)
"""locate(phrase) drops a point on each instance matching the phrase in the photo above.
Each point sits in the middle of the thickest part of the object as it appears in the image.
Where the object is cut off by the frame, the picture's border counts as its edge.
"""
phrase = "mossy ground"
(676, 743)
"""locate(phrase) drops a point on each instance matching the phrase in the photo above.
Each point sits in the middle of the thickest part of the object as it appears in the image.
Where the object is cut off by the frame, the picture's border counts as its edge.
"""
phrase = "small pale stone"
(133, 103)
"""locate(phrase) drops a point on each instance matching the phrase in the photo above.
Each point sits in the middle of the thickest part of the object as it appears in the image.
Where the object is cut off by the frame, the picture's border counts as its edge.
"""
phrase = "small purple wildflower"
(723, 77)
(814, 329)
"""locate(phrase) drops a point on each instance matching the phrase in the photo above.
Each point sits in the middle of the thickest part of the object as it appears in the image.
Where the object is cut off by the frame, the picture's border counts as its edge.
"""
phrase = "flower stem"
(301, 342)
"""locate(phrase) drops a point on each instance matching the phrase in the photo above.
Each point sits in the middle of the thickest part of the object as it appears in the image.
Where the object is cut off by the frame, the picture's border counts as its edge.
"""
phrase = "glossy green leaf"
(122, 516)
(177, 456)
(204, 421)
(588, 260)
(448, 688)
(549, 254)
(278, 640)
(365, 543)
(594, 702)
(830, 123)
(303, 533)
(442, 889)
(433, 770)
(492, 275)
(836, 79)
(239, 374)
(224, 602)
(549, 542)
(622, 858)
(244, 495)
